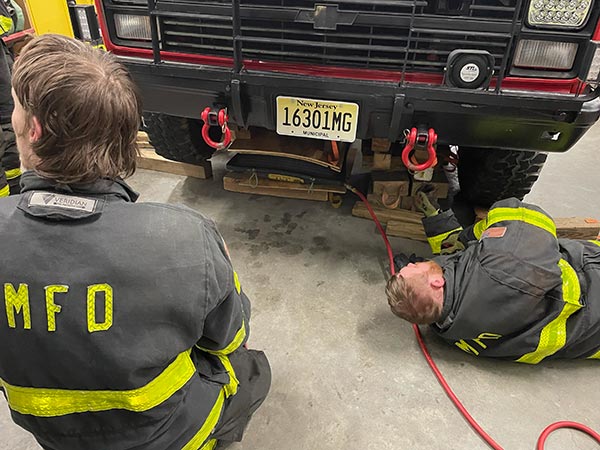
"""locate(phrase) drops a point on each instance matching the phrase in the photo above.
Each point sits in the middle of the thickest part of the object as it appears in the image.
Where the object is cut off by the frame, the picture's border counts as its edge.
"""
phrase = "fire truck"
(505, 81)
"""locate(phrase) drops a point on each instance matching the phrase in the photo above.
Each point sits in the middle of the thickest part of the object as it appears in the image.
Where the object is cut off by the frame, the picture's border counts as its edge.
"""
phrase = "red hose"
(379, 227)
(486, 437)
(565, 424)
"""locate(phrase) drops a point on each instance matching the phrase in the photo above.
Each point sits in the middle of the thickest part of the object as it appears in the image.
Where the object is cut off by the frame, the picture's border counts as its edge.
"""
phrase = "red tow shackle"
(411, 141)
(211, 118)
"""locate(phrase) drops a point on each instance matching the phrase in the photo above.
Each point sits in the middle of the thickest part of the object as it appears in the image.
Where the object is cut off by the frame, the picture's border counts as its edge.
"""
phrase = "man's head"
(77, 112)
(416, 292)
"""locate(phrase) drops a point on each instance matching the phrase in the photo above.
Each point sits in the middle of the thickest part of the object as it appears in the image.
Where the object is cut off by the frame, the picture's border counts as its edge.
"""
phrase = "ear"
(437, 281)
(35, 130)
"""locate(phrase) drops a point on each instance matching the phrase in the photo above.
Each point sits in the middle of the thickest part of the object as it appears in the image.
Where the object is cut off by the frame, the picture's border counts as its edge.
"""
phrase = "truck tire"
(177, 138)
(488, 175)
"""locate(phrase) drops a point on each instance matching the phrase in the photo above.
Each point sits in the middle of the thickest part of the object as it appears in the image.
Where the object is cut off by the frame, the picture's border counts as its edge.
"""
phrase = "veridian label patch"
(62, 201)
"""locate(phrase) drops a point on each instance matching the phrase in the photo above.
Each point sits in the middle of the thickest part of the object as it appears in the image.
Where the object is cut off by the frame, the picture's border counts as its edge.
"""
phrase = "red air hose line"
(486, 437)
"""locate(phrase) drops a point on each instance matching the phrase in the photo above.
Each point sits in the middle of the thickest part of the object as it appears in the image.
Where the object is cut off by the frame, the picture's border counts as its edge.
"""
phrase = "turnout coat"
(516, 291)
(122, 324)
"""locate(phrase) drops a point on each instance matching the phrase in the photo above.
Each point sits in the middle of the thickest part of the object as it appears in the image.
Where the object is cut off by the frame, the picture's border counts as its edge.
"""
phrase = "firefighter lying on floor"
(123, 324)
(510, 290)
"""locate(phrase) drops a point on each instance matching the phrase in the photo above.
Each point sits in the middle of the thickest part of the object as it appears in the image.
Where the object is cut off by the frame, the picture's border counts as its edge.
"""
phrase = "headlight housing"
(133, 27)
(594, 71)
(535, 54)
(558, 13)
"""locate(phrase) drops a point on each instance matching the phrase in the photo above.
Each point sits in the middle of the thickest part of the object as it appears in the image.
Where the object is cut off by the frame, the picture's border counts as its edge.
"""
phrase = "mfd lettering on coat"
(476, 345)
(99, 306)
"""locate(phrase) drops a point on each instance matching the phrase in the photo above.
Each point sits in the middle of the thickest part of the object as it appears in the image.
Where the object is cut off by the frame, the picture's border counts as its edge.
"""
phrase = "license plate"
(317, 119)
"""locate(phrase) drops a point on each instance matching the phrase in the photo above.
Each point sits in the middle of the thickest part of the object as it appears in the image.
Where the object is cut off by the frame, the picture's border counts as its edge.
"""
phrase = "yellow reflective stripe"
(596, 242)
(232, 346)
(479, 228)
(43, 402)
(595, 355)
(6, 23)
(210, 445)
(236, 280)
(232, 386)
(13, 173)
(435, 242)
(237, 340)
(554, 335)
(5, 191)
(529, 216)
(207, 427)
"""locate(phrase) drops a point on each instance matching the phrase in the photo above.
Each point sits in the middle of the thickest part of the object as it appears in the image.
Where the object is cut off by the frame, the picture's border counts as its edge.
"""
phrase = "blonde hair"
(410, 301)
(87, 106)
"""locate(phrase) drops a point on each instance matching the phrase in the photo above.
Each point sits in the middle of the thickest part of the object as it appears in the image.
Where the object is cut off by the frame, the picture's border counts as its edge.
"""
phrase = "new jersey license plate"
(317, 119)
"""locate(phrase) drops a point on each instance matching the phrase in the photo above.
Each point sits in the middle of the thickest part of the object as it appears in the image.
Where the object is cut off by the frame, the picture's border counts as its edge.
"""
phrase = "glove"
(423, 203)
(451, 245)
(401, 260)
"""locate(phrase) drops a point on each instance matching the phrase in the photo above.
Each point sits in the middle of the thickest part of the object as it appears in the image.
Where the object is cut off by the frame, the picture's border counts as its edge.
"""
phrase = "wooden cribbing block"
(577, 227)
(245, 183)
(407, 203)
(393, 203)
(396, 163)
(395, 182)
(385, 215)
(400, 222)
(406, 230)
(148, 159)
(382, 161)
(380, 145)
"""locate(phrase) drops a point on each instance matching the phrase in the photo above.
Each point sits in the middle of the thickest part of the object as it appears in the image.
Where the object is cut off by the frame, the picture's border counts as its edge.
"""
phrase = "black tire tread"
(488, 175)
(176, 138)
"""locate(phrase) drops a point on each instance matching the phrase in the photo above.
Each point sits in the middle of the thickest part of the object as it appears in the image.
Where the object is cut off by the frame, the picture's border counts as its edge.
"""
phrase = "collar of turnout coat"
(49, 200)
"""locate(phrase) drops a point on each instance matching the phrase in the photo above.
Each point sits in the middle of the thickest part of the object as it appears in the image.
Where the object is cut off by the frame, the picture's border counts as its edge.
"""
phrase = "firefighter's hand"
(424, 204)
(401, 260)
(451, 245)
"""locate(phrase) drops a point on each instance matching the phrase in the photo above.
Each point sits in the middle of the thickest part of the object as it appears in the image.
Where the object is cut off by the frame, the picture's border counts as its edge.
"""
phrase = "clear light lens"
(133, 27)
(559, 13)
(84, 26)
(594, 69)
(545, 54)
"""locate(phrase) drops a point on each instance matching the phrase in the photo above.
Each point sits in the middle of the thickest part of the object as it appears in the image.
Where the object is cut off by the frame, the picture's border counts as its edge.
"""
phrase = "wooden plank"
(407, 203)
(396, 164)
(380, 145)
(382, 161)
(406, 230)
(266, 142)
(395, 183)
(577, 227)
(385, 215)
(148, 159)
(245, 183)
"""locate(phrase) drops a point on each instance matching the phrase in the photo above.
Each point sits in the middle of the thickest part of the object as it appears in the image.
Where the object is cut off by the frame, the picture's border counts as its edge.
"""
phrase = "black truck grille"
(392, 35)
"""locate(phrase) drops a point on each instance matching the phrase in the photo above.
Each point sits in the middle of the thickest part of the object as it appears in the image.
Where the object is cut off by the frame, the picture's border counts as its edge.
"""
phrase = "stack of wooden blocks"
(392, 191)
(148, 159)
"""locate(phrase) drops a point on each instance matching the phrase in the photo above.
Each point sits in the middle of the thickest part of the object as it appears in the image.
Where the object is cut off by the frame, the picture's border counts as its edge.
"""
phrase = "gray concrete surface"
(346, 373)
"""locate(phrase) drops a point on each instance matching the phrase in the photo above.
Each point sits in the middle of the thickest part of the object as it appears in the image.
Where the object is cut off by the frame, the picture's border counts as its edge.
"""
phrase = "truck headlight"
(558, 13)
(133, 27)
(85, 23)
(594, 70)
(534, 54)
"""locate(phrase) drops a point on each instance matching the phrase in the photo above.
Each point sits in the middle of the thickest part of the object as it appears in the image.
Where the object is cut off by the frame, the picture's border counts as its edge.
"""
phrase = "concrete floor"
(347, 374)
